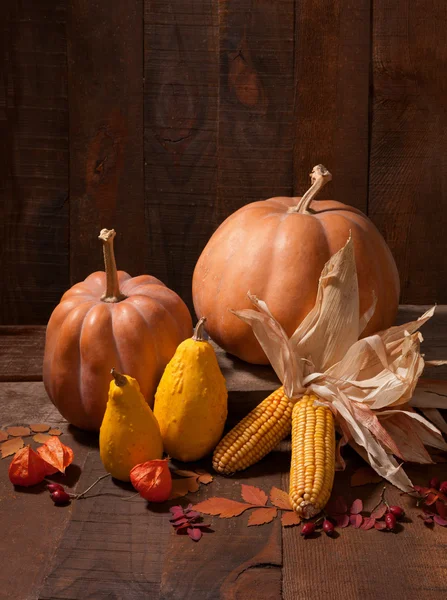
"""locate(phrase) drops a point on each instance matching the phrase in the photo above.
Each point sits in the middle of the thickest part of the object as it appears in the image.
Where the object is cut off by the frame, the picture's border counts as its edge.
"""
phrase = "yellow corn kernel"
(266, 425)
(313, 457)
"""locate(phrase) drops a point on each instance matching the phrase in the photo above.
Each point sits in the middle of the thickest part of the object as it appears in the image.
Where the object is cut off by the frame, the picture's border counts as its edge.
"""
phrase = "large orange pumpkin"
(110, 320)
(276, 249)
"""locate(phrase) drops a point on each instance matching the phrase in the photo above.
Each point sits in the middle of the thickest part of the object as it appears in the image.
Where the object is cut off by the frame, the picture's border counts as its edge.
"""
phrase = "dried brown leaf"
(55, 432)
(364, 476)
(39, 427)
(181, 487)
(18, 431)
(223, 507)
(3, 436)
(253, 495)
(260, 516)
(280, 498)
(41, 438)
(11, 446)
(290, 518)
(205, 478)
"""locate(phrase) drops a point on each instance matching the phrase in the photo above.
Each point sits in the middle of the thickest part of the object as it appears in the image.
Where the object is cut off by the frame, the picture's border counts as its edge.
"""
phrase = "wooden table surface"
(105, 547)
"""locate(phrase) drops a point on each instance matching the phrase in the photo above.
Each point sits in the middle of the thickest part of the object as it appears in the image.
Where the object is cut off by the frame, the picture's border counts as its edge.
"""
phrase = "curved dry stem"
(319, 177)
(113, 292)
(198, 330)
(120, 380)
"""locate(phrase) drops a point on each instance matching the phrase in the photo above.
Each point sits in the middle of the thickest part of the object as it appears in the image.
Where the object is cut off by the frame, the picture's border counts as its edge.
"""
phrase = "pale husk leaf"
(357, 379)
(332, 326)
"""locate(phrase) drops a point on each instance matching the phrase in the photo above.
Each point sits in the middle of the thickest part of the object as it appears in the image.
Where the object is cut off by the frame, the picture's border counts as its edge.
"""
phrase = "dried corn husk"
(369, 384)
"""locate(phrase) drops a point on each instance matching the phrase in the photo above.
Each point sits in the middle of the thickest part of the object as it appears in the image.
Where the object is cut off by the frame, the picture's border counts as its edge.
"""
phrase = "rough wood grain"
(105, 67)
(332, 58)
(21, 352)
(180, 130)
(408, 167)
(32, 527)
(255, 102)
(368, 564)
(112, 548)
(33, 159)
(235, 558)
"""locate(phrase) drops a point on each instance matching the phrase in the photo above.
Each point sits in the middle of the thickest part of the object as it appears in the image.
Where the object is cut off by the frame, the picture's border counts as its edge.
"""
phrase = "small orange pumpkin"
(110, 320)
(276, 249)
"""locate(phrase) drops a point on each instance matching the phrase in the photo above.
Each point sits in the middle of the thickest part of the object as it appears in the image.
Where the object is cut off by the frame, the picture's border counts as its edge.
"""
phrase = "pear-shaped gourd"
(129, 433)
(191, 400)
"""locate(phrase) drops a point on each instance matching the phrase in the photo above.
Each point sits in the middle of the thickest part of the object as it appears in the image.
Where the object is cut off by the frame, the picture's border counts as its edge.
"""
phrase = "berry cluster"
(58, 494)
(383, 517)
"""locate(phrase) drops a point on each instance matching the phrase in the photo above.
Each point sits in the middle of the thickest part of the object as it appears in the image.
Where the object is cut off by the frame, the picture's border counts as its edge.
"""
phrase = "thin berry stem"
(381, 501)
(78, 496)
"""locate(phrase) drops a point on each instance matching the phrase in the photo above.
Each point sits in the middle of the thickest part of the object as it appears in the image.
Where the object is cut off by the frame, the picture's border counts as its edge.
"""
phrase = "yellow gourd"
(129, 433)
(191, 400)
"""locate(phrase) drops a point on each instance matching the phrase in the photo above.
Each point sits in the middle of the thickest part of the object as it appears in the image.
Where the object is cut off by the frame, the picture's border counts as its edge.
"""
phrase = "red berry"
(60, 497)
(308, 529)
(390, 521)
(434, 483)
(52, 487)
(328, 528)
(397, 511)
(443, 487)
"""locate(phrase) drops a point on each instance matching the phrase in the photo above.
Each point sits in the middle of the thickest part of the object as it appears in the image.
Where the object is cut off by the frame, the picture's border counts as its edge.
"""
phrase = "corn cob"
(256, 435)
(313, 457)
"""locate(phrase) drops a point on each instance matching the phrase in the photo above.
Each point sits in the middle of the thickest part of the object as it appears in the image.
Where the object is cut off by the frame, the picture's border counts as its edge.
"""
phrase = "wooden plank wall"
(160, 118)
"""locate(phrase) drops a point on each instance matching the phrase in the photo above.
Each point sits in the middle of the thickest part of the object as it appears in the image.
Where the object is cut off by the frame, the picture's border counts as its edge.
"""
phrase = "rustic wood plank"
(112, 548)
(21, 355)
(368, 564)
(408, 167)
(123, 549)
(255, 102)
(32, 527)
(235, 558)
(180, 135)
(34, 159)
(332, 62)
(105, 67)
(21, 352)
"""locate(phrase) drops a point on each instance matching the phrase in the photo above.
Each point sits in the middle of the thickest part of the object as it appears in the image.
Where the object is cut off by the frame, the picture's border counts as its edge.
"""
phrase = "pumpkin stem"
(198, 330)
(120, 380)
(319, 177)
(113, 292)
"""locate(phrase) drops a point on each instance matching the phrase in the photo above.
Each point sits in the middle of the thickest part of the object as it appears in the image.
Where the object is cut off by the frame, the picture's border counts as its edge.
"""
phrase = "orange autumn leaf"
(41, 438)
(40, 427)
(56, 454)
(11, 447)
(363, 476)
(3, 436)
(27, 468)
(181, 487)
(253, 495)
(222, 507)
(18, 431)
(205, 478)
(260, 516)
(55, 432)
(280, 498)
(290, 518)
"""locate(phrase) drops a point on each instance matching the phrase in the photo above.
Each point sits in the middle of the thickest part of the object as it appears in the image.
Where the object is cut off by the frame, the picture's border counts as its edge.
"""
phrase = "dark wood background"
(160, 118)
